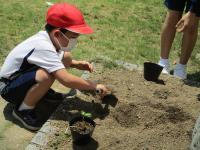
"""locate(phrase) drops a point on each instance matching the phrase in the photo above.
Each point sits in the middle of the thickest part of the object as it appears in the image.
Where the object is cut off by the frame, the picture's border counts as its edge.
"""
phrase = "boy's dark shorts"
(15, 90)
(180, 5)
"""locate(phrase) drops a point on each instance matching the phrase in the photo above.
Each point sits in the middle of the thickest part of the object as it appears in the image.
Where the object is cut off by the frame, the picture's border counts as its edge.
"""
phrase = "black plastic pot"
(152, 71)
(79, 138)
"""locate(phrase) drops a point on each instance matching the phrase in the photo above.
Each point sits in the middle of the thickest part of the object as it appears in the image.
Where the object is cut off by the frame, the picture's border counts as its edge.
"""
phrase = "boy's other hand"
(84, 65)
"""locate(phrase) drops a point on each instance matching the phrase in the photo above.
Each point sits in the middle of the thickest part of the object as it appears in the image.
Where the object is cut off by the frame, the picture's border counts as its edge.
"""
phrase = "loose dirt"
(138, 115)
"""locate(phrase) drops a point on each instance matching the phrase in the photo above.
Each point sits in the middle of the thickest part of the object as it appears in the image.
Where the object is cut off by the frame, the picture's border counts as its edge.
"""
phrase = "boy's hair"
(50, 28)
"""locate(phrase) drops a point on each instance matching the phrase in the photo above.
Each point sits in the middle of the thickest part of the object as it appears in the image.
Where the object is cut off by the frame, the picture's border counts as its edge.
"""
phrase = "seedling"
(81, 128)
(85, 114)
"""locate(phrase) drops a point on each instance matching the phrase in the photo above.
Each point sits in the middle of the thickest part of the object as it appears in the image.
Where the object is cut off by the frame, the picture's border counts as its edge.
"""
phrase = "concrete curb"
(41, 138)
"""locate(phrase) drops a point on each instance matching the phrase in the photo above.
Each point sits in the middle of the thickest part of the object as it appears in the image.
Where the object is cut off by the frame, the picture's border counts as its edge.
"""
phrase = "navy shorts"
(15, 90)
(180, 5)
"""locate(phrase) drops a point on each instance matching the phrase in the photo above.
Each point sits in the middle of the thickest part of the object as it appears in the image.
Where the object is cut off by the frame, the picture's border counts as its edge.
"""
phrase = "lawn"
(128, 30)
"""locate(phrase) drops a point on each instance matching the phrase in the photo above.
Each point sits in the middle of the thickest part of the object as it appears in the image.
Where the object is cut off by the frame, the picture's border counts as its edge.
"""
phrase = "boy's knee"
(43, 75)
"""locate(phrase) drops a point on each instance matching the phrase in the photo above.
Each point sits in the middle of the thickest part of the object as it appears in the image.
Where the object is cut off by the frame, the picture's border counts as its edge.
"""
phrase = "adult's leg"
(168, 32)
(189, 40)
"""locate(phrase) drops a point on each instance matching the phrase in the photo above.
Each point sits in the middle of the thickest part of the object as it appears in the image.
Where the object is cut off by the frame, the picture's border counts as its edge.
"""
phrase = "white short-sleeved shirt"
(37, 50)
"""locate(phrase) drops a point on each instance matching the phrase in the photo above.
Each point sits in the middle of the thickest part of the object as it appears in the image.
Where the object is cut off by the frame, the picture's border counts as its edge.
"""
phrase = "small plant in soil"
(82, 126)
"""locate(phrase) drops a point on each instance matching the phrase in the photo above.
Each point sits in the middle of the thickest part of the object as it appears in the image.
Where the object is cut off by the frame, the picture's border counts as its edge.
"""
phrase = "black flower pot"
(80, 136)
(152, 71)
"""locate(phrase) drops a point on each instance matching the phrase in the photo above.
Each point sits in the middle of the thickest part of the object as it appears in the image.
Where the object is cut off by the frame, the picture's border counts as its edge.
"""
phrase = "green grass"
(127, 30)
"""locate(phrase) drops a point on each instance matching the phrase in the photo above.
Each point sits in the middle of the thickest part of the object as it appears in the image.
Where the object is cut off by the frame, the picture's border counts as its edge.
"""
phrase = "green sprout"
(85, 114)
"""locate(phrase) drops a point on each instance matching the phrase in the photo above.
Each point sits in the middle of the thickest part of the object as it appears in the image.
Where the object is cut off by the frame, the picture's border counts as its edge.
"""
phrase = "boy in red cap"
(32, 66)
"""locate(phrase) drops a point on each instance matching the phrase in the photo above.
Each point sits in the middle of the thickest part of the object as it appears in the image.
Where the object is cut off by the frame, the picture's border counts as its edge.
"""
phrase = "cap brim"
(86, 29)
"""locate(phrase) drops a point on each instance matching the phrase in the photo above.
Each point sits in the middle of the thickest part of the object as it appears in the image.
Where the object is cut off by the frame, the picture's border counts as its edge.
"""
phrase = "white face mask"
(71, 44)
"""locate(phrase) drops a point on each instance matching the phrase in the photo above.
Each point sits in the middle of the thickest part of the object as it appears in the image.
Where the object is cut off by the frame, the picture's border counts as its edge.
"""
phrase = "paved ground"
(12, 135)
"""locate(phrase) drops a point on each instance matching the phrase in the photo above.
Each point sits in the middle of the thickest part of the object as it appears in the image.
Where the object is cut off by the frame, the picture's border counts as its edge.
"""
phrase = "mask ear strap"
(58, 42)
(65, 36)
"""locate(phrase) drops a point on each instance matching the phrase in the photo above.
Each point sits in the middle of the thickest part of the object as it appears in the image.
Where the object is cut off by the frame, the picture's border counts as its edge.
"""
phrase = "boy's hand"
(84, 65)
(102, 90)
(184, 22)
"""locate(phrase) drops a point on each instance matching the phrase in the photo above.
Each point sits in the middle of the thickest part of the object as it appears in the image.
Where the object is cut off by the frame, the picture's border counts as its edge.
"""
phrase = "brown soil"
(138, 115)
(82, 127)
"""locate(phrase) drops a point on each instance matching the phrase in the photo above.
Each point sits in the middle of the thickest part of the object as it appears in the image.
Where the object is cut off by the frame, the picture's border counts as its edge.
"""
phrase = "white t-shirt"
(37, 50)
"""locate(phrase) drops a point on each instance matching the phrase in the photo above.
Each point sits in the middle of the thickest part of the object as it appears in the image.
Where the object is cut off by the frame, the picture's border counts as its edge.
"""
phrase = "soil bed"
(139, 114)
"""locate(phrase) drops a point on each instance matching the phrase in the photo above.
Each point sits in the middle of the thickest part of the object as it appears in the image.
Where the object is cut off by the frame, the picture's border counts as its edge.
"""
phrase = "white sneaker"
(166, 67)
(180, 71)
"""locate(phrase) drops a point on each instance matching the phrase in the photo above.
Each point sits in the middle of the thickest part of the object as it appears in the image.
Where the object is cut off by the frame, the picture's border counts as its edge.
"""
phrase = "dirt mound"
(139, 114)
(131, 115)
(126, 115)
(174, 115)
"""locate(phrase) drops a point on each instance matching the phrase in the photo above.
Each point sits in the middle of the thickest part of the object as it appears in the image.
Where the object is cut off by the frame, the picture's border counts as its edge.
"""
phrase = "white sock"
(181, 66)
(164, 61)
(24, 106)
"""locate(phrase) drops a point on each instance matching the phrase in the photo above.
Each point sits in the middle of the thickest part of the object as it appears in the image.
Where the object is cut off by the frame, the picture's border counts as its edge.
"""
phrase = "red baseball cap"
(66, 16)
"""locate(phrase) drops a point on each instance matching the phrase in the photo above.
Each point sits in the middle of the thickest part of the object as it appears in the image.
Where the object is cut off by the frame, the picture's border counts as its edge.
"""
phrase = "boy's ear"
(56, 32)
